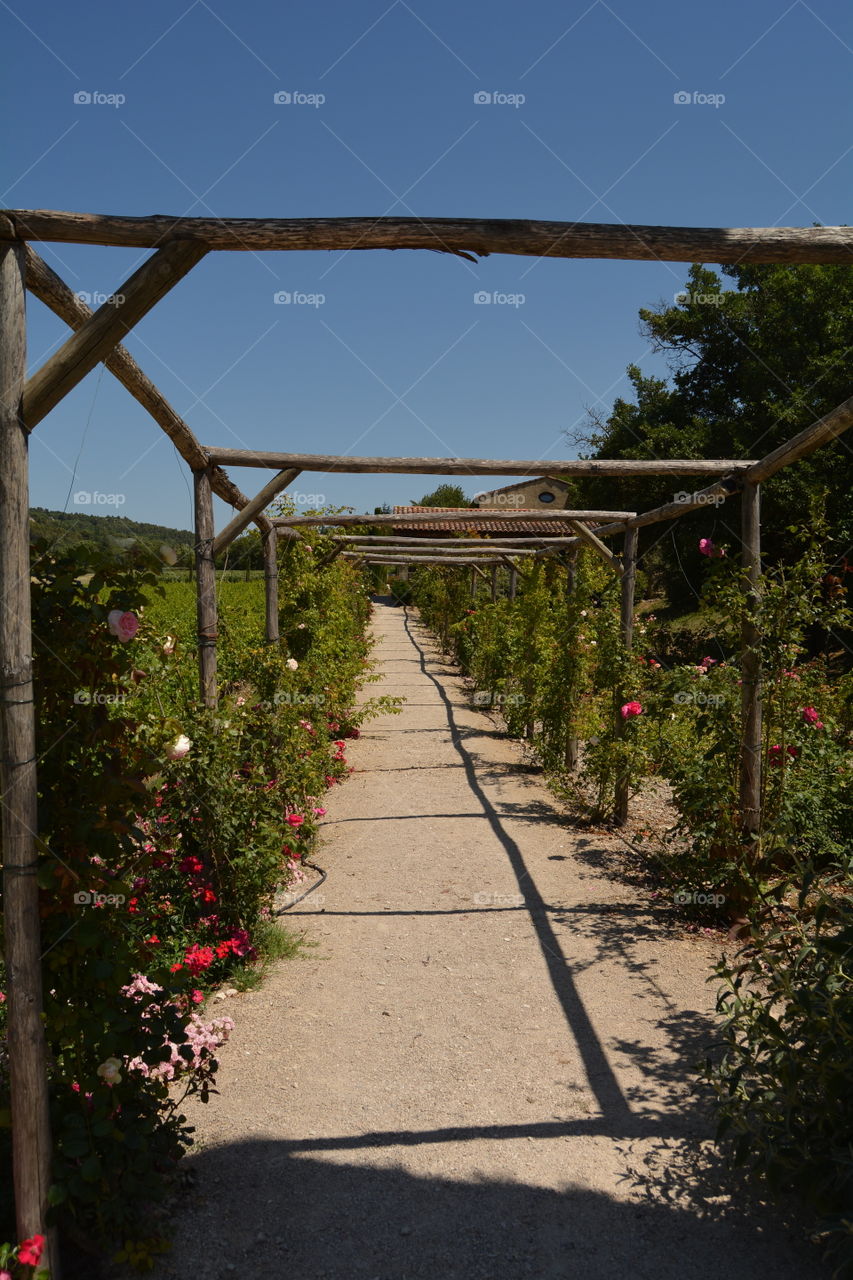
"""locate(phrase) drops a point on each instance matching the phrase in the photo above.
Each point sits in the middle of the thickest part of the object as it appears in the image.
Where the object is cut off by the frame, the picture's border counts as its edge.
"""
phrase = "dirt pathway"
(483, 1069)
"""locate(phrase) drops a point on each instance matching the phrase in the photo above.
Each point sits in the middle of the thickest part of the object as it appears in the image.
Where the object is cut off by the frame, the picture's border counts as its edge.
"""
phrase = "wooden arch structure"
(179, 244)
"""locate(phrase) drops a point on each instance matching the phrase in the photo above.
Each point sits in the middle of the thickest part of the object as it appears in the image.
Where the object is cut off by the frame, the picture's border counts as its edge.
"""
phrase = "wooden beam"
(751, 709)
(401, 547)
(827, 428)
(52, 290)
(100, 334)
(472, 518)
(369, 559)
(31, 1144)
(467, 236)
(626, 632)
(526, 468)
(331, 556)
(597, 546)
(479, 543)
(252, 508)
(270, 547)
(206, 611)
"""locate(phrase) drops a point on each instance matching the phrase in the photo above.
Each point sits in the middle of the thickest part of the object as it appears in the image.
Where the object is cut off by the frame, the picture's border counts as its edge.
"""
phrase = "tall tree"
(749, 368)
(446, 495)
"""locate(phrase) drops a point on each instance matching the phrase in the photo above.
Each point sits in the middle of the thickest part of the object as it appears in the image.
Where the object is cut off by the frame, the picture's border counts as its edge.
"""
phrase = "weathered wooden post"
(571, 755)
(270, 544)
(31, 1146)
(626, 629)
(473, 589)
(494, 583)
(751, 708)
(205, 574)
(513, 581)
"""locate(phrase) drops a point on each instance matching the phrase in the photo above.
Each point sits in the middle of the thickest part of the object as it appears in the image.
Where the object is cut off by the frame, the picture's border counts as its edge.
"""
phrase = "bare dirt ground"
(483, 1067)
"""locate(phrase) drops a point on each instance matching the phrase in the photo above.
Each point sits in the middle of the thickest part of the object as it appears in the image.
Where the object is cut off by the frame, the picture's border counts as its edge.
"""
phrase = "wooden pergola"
(178, 245)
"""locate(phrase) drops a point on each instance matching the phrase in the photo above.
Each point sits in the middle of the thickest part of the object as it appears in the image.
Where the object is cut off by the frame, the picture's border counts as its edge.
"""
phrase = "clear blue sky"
(398, 359)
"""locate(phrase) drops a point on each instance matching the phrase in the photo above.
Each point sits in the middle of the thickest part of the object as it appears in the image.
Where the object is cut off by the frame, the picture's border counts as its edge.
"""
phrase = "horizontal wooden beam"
(445, 560)
(401, 548)
(51, 289)
(333, 463)
(253, 508)
(106, 327)
(476, 543)
(474, 237)
(472, 518)
(827, 428)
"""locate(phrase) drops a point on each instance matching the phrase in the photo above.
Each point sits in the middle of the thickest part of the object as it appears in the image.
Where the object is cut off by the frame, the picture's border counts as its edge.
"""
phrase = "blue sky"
(398, 358)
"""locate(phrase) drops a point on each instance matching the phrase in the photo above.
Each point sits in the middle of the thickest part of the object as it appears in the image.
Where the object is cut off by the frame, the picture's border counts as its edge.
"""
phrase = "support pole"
(626, 629)
(473, 588)
(494, 583)
(571, 756)
(31, 1147)
(513, 581)
(270, 545)
(205, 586)
(751, 706)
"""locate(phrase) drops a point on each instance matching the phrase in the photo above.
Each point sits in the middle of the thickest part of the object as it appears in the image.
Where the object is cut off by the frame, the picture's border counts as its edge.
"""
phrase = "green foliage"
(165, 829)
(446, 495)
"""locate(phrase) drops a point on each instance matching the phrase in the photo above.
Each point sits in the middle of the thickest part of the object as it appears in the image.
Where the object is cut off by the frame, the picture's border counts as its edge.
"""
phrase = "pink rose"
(295, 819)
(811, 717)
(123, 625)
(630, 709)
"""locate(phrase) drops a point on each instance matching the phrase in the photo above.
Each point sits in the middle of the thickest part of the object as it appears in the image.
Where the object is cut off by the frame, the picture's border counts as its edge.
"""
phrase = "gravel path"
(482, 1069)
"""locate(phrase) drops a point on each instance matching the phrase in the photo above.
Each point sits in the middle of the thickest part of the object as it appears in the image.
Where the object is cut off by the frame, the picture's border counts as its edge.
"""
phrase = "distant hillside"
(69, 528)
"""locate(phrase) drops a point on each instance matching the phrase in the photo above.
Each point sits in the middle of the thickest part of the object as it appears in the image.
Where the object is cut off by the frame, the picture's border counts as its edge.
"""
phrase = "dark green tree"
(446, 495)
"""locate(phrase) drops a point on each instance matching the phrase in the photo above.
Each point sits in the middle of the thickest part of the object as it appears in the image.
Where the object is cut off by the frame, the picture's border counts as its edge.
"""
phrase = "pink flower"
(123, 625)
(196, 996)
(630, 709)
(811, 717)
(707, 548)
(295, 819)
(319, 813)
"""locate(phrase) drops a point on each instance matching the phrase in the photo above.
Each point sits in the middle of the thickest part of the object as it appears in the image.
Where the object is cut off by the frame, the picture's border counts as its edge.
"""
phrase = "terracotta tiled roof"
(519, 525)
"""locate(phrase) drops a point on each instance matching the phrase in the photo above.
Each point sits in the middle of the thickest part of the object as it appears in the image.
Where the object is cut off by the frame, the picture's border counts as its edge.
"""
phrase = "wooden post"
(626, 627)
(571, 756)
(473, 589)
(205, 575)
(751, 718)
(513, 581)
(270, 543)
(494, 583)
(31, 1147)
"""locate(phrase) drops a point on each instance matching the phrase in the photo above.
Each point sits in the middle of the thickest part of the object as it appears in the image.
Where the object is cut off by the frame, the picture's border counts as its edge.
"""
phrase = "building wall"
(526, 495)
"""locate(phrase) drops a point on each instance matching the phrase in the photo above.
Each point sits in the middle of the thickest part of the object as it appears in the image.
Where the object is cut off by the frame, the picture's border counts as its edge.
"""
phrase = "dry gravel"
(483, 1068)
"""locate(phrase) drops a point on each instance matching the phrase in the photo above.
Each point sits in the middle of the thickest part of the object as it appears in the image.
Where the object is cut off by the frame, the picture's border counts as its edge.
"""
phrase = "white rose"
(292, 664)
(179, 748)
